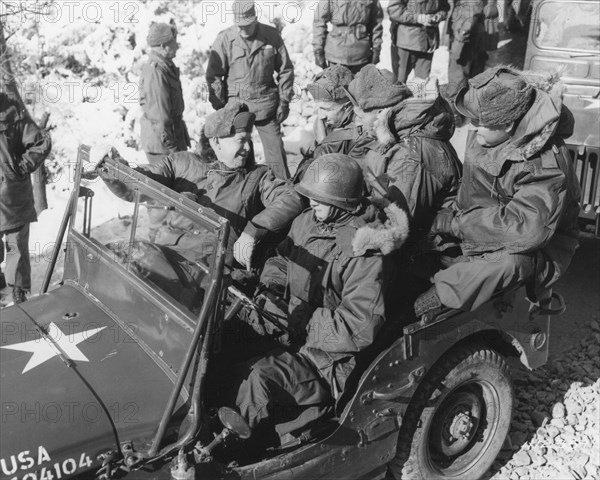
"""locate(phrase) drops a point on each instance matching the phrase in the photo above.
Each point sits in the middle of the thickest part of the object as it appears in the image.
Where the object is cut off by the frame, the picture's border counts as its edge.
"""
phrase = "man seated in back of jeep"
(331, 266)
(515, 215)
(257, 203)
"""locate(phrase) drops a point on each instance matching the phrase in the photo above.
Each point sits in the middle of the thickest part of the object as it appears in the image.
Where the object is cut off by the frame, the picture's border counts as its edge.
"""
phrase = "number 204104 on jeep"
(106, 375)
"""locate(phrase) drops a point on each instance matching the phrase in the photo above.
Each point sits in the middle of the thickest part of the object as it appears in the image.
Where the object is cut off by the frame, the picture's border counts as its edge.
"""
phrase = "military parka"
(23, 148)
(356, 34)
(523, 195)
(161, 97)
(412, 152)
(244, 71)
(411, 35)
(334, 278)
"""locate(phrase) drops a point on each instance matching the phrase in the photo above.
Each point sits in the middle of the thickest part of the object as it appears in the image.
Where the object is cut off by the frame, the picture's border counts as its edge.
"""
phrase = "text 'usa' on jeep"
(107, 374)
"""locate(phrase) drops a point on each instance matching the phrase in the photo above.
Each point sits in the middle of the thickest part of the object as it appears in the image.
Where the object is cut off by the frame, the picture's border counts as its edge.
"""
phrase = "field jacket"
(411, 35)
(161, 97)
(356, 32)
(258, 73)
(23, 148)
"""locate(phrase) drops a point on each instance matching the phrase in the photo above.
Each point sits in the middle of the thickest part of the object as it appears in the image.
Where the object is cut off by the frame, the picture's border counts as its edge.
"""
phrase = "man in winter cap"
(163, 130)
(333, 127)
(259, 205)
(516, 217)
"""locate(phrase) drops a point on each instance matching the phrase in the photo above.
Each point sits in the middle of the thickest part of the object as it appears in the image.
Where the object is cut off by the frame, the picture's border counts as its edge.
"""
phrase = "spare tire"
(458, 419)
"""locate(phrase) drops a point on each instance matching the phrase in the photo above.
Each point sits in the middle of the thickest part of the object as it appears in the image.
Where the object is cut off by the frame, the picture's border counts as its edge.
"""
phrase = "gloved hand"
(282, 112)
(375, 58)
(442, 223)
(435, 18)
(320, 59)
(243, 249)
(490, 11)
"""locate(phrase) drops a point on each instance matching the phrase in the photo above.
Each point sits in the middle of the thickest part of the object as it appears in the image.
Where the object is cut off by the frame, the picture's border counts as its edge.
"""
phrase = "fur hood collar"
(381, 229)
(546, 118)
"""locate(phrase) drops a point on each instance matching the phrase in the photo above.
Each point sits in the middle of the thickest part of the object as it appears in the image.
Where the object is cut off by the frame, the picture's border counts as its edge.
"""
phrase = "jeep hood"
(75, 383)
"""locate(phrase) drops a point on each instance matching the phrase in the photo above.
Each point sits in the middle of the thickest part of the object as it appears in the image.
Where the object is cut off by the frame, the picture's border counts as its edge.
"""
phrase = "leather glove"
(490, 11)
(320, 60)
(243, 249)
(375, 58)
(442, 223)
(282, 112)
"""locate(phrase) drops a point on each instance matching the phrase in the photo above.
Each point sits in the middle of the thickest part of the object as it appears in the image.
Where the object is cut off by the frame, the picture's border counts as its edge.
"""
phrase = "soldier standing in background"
(417, 35)
(241, 67)
(467, 43)
(161, 96)
(23, 148)
(356, 37)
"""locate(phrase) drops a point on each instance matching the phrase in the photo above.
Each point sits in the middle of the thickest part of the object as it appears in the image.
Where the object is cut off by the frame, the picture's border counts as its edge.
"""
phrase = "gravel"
(555, 432)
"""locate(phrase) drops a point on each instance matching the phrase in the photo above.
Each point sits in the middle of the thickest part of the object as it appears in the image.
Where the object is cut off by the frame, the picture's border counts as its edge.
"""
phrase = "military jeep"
(105, 374)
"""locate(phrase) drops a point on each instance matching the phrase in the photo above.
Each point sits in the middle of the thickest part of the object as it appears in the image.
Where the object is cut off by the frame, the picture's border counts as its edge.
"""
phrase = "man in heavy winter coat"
(417, 35)
(356, 35)
(241, 67)
(410, 147)
(331, 268)
(23, 148)
(515, 214)
(163, 130)
(249, 195)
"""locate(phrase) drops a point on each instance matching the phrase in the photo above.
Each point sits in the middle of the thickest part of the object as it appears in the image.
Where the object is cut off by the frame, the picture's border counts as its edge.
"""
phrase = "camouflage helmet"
(335, 179)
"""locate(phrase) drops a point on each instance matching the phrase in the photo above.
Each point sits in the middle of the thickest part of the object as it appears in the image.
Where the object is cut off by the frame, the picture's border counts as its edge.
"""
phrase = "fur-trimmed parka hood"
(379, 229)
(425, 117)
(546, 118)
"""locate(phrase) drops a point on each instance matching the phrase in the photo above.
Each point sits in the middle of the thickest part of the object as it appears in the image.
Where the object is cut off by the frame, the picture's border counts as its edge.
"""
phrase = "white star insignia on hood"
(44, 349)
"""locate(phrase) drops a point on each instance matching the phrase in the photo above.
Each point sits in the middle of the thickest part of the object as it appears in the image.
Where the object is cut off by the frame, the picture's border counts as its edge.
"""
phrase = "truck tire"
(458, 419)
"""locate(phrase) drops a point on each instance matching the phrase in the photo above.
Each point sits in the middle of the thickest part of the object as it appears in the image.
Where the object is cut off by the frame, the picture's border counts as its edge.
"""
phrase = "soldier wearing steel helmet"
(331, 266)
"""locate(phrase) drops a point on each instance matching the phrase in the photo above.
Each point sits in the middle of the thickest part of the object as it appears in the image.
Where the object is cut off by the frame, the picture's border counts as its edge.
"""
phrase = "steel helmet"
(335, 179)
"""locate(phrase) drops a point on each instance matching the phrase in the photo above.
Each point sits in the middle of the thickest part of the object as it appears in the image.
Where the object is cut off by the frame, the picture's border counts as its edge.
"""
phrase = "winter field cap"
(244, 12)
(374, 88)
(160, 33)
(498, 96)
(234, 117)
(329, 85)
(334, 179)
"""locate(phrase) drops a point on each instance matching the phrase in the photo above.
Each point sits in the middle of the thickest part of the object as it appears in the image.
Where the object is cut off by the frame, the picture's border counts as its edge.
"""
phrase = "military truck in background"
(565, 35)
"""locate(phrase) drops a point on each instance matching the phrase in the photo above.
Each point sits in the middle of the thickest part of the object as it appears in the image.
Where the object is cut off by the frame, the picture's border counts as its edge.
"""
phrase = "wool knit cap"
(328, 85)
(160, 33)
(498, 96)
(234, 117)
(244, 12)
(374, 88)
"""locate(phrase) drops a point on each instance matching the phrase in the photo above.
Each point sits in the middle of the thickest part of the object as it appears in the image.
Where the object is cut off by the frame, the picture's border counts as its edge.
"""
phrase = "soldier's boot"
(428, 305)
(19, 295)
